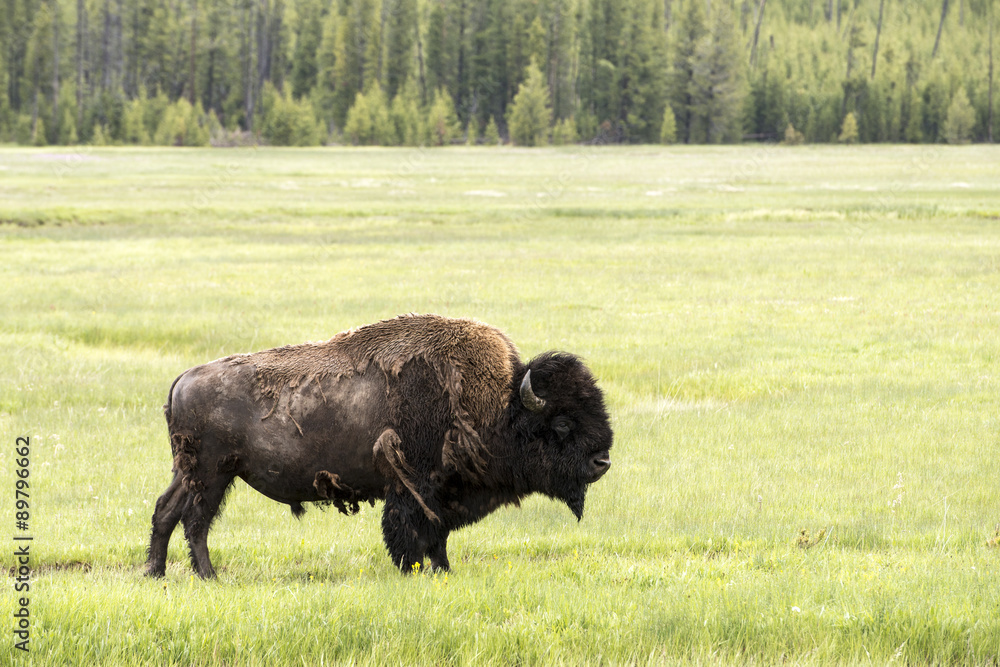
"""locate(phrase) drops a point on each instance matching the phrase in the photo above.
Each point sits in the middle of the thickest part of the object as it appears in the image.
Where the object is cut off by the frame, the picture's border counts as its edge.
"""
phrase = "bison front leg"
(438, 553)
(401, 531)
(409, 534)
(411, 523)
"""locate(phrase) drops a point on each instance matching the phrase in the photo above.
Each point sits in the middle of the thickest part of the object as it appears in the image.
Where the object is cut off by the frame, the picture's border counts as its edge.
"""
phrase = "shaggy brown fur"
(473, 363)
(390, 460)
(185, 450)
(329, 486)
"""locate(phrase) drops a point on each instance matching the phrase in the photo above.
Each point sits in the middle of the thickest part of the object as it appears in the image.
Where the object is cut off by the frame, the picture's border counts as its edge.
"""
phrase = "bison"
(438, 417)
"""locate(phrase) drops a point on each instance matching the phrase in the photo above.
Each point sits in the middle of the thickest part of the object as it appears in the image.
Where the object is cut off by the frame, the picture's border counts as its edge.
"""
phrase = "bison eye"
(562, 426)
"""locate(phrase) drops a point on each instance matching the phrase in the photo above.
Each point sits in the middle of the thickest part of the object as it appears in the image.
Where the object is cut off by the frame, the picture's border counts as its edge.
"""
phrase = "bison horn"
(528, 397)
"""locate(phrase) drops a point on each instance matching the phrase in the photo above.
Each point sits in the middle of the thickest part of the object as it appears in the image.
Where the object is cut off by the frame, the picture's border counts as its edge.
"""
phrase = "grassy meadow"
(799, 348)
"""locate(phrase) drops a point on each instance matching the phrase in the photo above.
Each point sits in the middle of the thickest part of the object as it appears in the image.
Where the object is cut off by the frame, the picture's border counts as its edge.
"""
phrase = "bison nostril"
(600, 463)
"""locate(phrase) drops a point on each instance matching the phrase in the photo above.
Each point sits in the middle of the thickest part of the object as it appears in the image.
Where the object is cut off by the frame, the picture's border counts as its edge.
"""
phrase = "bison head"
(569, 423)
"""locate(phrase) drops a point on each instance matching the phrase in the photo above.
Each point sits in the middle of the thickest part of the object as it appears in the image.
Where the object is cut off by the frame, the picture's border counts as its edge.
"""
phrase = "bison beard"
(438, 417)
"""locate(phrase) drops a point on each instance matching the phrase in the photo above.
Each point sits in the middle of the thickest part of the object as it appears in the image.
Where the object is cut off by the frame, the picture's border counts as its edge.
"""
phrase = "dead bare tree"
(81, 56)
(191, 65)
(989, 95)
(384, 15)
(420, 63)
(55, 62)
(106, 48)
(756, 33)
(937, 40)
(248, 23)
(112, 54)
(878, 33)
(263, 44)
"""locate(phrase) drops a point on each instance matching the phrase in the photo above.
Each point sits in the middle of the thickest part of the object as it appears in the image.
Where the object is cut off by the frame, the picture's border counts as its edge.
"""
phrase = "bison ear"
(528, 397)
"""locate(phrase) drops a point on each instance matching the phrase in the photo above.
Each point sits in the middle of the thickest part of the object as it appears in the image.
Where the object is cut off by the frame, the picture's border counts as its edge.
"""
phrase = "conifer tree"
(564, 132)
(440, 47)
(134, 130)
(491, 135)
(182, 125)
(67, 127)
(913, 131)
(530, 116)
(849, 130)
(792, 136)
(309, 34)
(668, 126)
(284, 121)
(769, 102)
(406, 116)
(640, 82)
(561, 59)
(442, 121)
(691, 30)
(5, 114)
(368, 121)
(326, 66)
(960, 120)
(937, 98)
(717, 84)
(39, 73)
(516, 56)
(352, 54)
(537, 37)
(39, 138)
(489, 77)
(359, 128)
(601, 50)
(400, 37)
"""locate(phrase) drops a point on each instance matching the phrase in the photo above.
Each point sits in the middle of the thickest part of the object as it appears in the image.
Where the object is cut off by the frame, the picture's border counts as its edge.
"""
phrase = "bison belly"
(311, 442)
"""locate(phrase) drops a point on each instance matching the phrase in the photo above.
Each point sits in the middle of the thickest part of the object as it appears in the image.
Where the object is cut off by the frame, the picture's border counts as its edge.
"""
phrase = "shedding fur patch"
(184, 447)
(389, 459)
(473, 363)
(329, 487)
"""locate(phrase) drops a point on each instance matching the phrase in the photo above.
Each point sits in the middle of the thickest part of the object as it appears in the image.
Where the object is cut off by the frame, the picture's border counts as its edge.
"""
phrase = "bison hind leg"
(167, 513)
(208, 495)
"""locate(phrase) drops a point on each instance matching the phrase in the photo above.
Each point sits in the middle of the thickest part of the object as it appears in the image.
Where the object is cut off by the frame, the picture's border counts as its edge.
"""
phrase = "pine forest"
(525, 72)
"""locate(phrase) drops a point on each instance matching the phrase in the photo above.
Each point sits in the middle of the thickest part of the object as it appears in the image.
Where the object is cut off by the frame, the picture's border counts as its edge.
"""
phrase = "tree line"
(432, 72)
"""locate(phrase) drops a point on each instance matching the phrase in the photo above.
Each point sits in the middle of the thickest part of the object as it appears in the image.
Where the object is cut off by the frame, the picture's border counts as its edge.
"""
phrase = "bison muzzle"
(438, 417)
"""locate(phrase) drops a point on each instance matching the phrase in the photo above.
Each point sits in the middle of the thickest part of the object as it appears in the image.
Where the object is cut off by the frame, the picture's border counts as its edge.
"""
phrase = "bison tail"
(168, 408)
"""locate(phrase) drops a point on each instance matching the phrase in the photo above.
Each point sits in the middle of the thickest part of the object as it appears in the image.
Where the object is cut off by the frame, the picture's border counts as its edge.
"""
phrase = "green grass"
(789, 340)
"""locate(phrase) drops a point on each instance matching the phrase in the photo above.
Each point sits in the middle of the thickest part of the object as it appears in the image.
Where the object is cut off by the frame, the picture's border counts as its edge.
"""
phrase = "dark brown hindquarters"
(194, 497)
